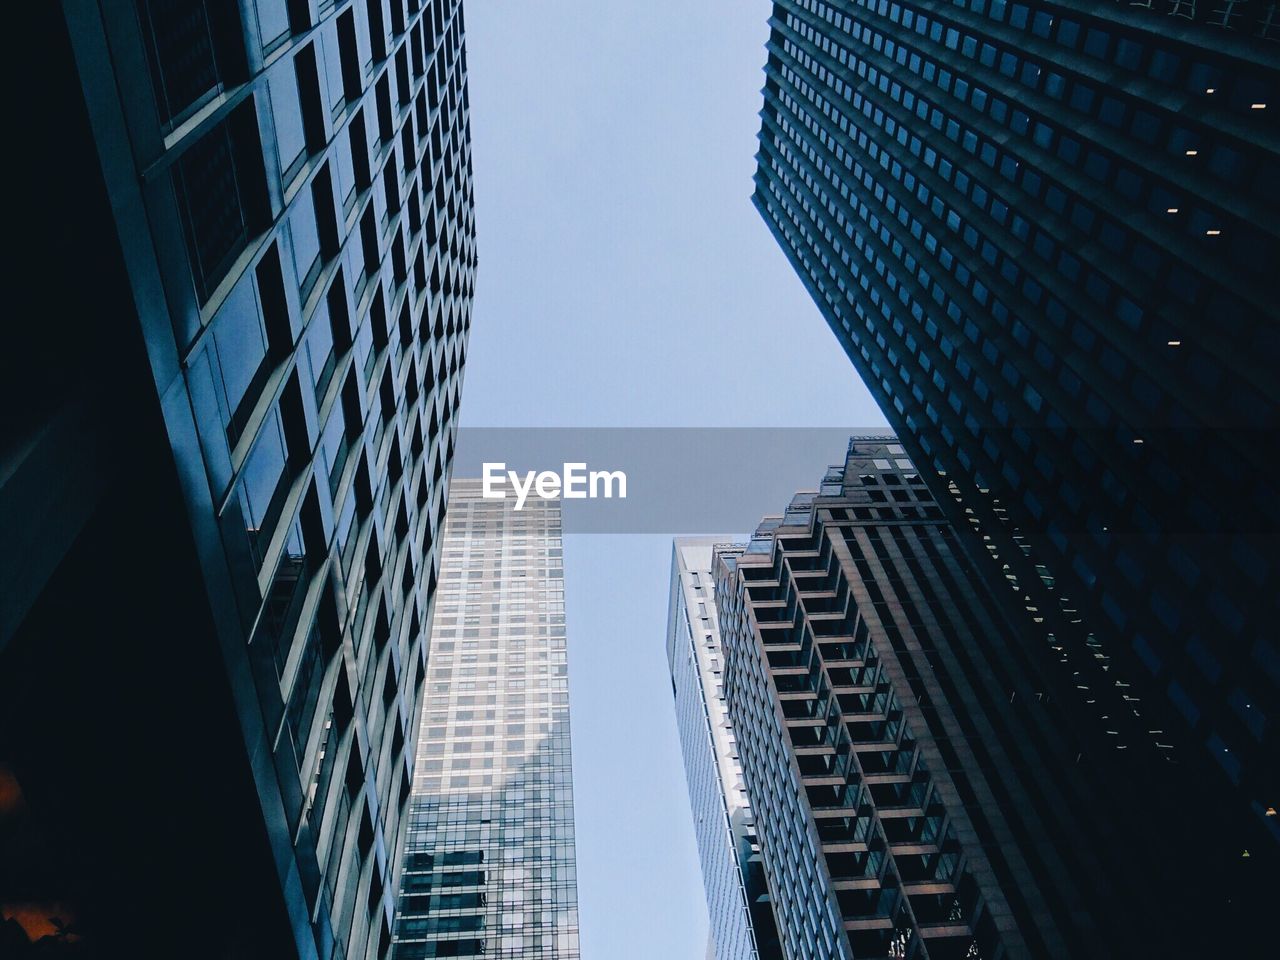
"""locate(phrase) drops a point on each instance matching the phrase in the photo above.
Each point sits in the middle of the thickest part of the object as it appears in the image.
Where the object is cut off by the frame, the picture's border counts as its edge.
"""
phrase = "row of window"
(1186, 65)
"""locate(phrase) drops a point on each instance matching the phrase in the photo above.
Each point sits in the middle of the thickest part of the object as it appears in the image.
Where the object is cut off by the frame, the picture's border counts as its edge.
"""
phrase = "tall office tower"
(740, 919)
(489, 867)
(916, 786)
(230, 384)
(1046, 236)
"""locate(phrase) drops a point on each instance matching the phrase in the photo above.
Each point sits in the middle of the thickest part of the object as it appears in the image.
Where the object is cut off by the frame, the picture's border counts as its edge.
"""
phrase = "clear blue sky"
(626, 280)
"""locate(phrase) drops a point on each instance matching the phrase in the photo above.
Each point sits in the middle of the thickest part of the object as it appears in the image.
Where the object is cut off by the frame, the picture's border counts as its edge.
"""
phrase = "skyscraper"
(917, 790)
(230, 402)
(740, 919)
(490, 862)
(1046, 236)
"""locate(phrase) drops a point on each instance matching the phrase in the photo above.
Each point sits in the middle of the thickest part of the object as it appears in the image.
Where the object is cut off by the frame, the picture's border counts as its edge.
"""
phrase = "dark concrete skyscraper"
(1046, 234)
(914, 775)
(243, 275)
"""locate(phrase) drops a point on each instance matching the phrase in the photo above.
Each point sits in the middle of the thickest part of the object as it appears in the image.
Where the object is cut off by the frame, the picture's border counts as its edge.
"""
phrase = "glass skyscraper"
(489, 866)
(740, 918)
(230, 402)
(916, 788)
(1046, 236)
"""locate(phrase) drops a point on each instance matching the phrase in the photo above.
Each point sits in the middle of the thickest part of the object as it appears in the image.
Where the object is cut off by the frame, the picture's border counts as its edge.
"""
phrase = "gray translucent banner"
(678, 480)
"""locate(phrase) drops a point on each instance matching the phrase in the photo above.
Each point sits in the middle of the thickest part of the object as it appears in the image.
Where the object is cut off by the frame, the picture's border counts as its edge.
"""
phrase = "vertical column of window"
(372, 262)
(396, 9)
(326, 214)
(422, 115)
(303, 674)
(343, 169)
(417, 47)
(320, 768)
(370, 606)
(284, 86)
(419, 271)
(373, 337)
(274, 635)
(391, 183)
(313, 232)
(250, 337)
(386, 117)
(269, 436)
(341, 433)
(279, 452)
(404, 88)
(320, 648)
(386, 415)
(349, 61)
(347, 801)
(376, 23)
(347, 533)
(360, 147)
(331, 96)
(328, 338)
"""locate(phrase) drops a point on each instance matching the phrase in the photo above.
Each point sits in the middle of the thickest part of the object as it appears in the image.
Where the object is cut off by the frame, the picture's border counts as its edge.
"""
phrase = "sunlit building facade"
(740, 917)
(490, 865)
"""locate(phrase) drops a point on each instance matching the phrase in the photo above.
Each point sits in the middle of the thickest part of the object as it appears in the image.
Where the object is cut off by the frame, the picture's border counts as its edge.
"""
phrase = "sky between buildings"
(626, 280)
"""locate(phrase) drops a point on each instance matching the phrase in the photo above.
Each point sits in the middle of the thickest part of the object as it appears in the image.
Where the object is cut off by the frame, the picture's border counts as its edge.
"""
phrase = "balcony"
(845, 651)
(868, 909)
(832, 796)
(849, 869)
(824, 764)
(845, 833)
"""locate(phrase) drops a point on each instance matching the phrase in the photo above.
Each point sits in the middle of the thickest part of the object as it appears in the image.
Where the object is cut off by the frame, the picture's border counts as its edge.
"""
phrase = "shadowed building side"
(1045, 235)
(231, 393)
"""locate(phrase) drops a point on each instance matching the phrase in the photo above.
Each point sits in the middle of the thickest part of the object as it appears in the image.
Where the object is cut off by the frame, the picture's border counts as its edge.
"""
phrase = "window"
(194, 50)
(240, 344)
(264, 484)
(313, 229)
(221, 186)
(249, 335)
(321, 355)
(279, 19)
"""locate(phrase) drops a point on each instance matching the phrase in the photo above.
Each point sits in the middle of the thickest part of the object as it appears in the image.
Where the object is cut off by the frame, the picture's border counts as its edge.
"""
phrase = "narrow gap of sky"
(626, 280)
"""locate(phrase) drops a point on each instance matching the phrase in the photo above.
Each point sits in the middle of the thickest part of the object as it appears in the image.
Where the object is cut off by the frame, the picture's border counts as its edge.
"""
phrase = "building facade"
(1045, 235)
(917, 785)
(490, 864)
(740, 918)
(250, 263)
